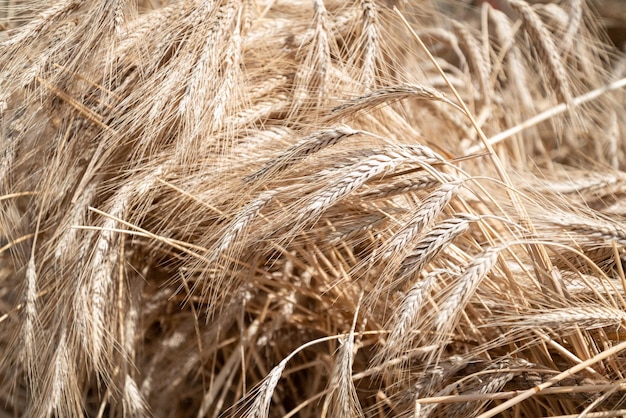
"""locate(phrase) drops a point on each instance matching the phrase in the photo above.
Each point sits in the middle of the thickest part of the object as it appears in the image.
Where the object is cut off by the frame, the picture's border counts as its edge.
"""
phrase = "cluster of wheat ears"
(311, 208)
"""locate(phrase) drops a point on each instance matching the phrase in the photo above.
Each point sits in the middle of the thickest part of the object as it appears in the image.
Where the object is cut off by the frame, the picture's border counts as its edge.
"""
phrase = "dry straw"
(268, 208)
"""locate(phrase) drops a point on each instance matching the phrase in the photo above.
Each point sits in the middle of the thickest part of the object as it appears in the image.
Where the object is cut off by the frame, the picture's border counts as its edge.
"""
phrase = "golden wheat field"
(320, 208)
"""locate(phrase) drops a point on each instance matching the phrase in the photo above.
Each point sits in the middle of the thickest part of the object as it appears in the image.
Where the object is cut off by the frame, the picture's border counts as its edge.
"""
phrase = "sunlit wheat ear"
(225, 96)
(105, 260)
(369, 43)
(263, 394)
(274, 104)
(357, 229)
(33, 29)
(313, 75)
(30, 324)
(389, 95)
(306, 146)
(513, 58)
(574, 24)
(8, 149)
(75, 217)
(594, 229)
(433, 242)
(201, 65)
(555, 17)
(219, 42)
(544, 43)
(119, 16)
(63, 396)
(405, 317)
(486, 383)
(356, 175)
(133, 400)
(103, 264)
(140, 28)
(343, 400)
(476, 58)
(563, 319)
(241, 221)
(428, 210)
(134, 404)
(406, 185)
(465, 285)
(613, 142)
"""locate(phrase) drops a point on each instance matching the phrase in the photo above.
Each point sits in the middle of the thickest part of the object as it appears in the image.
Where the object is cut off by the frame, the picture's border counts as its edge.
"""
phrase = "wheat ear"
(467, 282)
(104, 260)
(76, 216)
(133, 399)
(513, 60)
(389, 94)
(262, 394)
(63, 399)
(30, 325)
(370, 39)
(343, 401)
(402, 186)
(573, 27)
(593, 228)
(241, 221)
(225, 96)
(193, 104)
(430, 208)
(35, 27)
(261, 406)
(313, 75)
(118, 16)
(589, 317)
(433, 242)
(547, 50)
(358, 174)
(491, 383)
(366, 223)
(405, 317)
(476, 59)
(306, 146)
